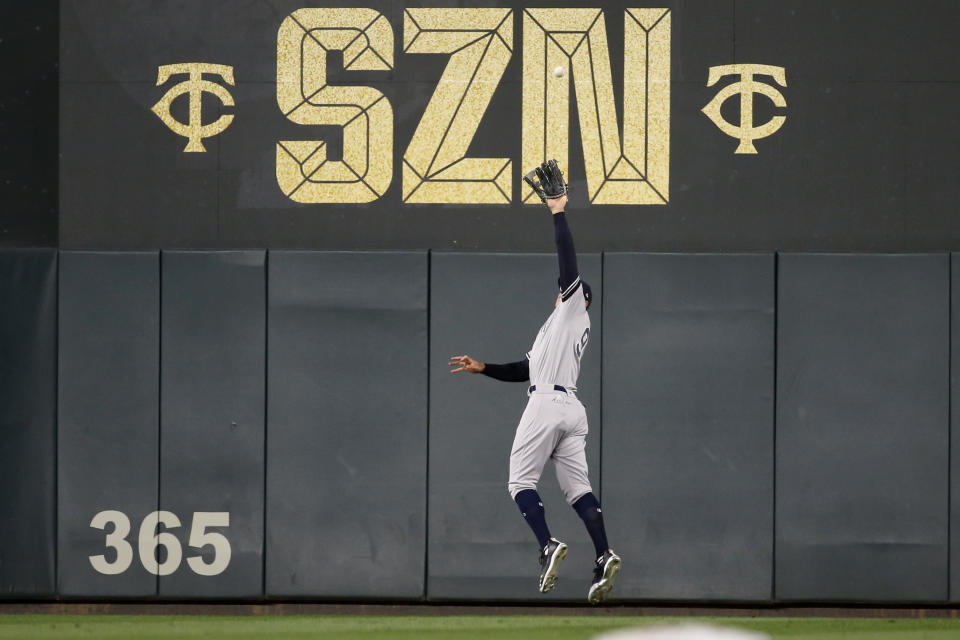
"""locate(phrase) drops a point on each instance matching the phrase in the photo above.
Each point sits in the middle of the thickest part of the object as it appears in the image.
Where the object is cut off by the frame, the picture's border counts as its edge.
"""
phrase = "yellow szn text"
(627, 168)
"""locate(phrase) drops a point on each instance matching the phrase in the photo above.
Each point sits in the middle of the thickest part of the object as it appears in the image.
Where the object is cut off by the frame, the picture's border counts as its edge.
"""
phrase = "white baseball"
(559, 71)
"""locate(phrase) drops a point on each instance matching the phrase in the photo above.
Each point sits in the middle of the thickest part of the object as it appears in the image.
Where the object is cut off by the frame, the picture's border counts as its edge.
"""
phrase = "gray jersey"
(555, 355)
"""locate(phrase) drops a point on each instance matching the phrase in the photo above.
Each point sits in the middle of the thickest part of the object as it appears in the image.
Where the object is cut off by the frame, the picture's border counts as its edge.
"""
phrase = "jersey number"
(581, 344)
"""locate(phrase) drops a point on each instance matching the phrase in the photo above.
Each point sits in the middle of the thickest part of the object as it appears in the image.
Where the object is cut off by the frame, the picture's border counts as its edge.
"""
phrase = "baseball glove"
(547, 181)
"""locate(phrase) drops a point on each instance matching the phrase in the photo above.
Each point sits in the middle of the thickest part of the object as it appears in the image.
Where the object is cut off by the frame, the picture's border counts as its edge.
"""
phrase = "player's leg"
(552, 552)
(570, 461)
(531, 449)
(531, 508)
(607, 564)
(532, 445)
(588, 508)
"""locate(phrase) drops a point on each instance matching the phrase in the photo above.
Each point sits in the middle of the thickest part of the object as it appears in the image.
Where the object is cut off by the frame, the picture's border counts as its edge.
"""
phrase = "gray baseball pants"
(553, 426)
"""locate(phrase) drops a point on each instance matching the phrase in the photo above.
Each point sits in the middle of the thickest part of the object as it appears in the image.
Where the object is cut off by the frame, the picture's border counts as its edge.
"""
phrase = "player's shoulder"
(572, 289)
(572, 300)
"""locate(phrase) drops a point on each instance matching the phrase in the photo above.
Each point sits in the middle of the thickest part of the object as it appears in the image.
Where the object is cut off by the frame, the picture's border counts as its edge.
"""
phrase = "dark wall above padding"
(29, 109)
(869, 131)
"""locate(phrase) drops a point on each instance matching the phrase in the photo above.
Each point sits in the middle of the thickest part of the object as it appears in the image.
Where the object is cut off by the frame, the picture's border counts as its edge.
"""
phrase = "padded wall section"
(491, 306)
(954, 426)
(212, 402)
(688, 424)
(346, 424)
(108, 420)
(28, 410)
(862, 427)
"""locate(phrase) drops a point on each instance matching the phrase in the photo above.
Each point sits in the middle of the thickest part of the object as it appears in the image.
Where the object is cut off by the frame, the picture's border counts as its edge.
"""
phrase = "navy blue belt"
(556, 387)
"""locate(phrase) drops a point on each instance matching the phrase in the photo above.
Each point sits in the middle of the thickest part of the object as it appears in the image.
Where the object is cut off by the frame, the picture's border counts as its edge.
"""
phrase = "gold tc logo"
(746, 87)
(194, 130)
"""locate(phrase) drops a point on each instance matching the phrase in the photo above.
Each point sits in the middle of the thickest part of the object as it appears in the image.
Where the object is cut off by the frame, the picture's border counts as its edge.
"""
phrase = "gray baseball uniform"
(554, 424)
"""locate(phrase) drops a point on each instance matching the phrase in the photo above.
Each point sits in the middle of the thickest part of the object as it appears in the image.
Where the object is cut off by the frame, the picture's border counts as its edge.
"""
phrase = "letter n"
(628, 168)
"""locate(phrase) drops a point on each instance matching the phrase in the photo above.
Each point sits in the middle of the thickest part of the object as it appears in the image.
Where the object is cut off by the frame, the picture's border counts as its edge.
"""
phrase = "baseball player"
(554, 424)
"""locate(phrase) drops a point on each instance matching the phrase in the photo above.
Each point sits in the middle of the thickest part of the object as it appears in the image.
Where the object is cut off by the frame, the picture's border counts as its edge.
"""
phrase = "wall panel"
(212, 403)
(346, 424)
(28, 413)
(688, 424)
(862, 427)
(108, 423)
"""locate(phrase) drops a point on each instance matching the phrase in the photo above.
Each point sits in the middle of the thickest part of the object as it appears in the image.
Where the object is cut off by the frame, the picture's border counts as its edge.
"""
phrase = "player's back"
(556, 352)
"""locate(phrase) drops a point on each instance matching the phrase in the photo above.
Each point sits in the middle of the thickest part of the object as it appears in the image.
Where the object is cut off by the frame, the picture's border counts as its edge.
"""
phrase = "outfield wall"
(763, 427)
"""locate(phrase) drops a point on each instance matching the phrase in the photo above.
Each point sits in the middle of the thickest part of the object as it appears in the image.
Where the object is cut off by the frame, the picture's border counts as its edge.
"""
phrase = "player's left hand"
(547, 181)
(466, 363)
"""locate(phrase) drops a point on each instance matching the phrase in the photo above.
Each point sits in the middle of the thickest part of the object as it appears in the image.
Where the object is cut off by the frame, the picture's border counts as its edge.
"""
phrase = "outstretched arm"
(566, 254)
(548, 183)
(511, 372)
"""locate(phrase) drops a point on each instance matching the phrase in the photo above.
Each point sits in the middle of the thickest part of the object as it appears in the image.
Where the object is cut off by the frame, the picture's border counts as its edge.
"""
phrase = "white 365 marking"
(150, 539)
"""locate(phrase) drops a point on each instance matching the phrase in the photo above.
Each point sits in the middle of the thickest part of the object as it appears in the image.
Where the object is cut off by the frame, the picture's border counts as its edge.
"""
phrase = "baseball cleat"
(550, 558)
(605, 572)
